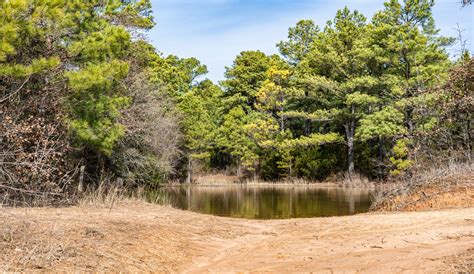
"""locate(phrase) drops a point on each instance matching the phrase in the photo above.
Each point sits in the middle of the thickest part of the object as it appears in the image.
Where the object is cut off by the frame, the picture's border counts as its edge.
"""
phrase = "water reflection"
(257, 202)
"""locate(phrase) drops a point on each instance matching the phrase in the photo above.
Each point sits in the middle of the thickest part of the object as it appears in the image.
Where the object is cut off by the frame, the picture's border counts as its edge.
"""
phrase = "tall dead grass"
(443, 179)
(109, 195)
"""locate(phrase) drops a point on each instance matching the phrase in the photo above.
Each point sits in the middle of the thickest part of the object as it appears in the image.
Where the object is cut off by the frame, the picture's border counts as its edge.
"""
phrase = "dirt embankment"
(451, 191)
(142, 237)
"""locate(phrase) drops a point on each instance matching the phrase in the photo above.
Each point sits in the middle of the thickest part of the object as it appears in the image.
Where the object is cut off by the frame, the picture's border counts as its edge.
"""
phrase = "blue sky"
(215, 31)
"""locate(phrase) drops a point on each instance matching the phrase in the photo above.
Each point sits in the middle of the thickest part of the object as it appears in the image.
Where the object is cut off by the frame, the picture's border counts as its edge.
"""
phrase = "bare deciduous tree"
(151, 145)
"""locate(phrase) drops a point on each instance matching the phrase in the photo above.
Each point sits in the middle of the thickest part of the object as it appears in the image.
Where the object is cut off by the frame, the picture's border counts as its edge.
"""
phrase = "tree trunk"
(350, 129)
(80, 187)
(291, 169)
(350, 148)
(467, 138)
(282, 124)
(381, 157)
(409, 121)
(307, 122)
(282, 120)
(410, 93)
(189, 172)
(307, 127)
(238, 169)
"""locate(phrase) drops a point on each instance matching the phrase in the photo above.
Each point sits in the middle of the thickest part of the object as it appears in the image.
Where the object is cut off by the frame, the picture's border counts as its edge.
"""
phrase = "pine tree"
(300, 40)
(245, 78)
(338, 77)
(201, 117)
(412, 52)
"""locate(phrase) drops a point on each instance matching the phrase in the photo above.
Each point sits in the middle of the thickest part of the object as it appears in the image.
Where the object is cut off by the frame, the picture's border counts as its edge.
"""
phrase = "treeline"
(85, 99)
(375, 97)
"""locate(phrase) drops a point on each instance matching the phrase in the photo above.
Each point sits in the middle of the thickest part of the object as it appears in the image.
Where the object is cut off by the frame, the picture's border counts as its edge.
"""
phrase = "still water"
(258, 202)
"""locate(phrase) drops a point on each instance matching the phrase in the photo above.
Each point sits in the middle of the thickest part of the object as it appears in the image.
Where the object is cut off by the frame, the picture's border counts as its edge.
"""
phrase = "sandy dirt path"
(141, 237)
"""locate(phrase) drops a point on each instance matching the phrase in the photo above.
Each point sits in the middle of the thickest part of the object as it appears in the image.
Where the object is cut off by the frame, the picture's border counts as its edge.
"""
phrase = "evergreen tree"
(245, 78)
(411, 52)
(179, 75)
(337, 68)
(233, 138)
(300, 39)
(201, 110)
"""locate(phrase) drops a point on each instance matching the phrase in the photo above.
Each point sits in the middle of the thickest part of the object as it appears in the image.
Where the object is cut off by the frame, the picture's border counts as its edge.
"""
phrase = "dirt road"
(141, 237)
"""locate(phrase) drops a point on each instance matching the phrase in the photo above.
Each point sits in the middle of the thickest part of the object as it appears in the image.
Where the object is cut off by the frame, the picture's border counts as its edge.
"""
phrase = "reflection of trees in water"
(270, 202)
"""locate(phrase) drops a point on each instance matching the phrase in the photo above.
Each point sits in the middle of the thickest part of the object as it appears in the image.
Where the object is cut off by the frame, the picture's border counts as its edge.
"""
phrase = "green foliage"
(178, 75)
(136, 14)
(354, 81)
(100, 42)
(273, 95)
(359, 99)
(382, 124)
(76, 48)
(314, 140)
(400, 159)
(201, 119)
(355, 94)
(341, 83)
(410, 51)
(246, 77)
(300, 39)
(233, 137)
(37, 66)
(96, 104)
(103, 45)
(320, 115)
(262, 129)
(317, 163)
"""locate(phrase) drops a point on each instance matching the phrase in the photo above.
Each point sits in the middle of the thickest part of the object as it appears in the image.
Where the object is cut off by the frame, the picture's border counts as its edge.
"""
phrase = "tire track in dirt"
(137, 237)
(390, 242)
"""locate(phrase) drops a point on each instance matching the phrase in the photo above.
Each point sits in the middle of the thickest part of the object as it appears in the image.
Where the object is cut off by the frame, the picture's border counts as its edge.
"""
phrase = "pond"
(259, 202)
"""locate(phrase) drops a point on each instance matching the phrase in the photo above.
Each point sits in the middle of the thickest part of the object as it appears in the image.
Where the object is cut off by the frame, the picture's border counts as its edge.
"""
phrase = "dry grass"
(451, 187)
(29, 249)
(34, 244)
(216, 179)
(341, 180)
(461, 263)
(103, 196)
(75, 241)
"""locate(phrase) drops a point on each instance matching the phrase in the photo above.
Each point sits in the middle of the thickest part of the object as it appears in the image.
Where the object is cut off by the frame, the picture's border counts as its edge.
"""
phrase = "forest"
(85, 98)
(348, 150)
